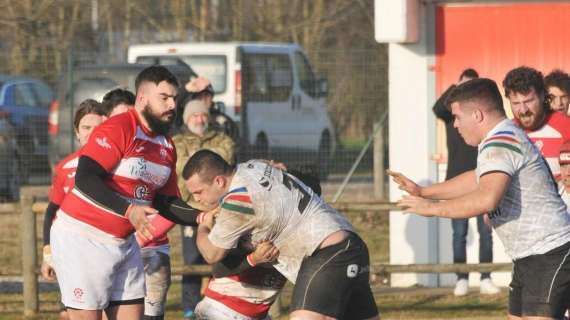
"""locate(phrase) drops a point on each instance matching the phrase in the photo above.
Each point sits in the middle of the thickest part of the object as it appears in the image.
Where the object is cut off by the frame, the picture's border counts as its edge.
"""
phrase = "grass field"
(409, 303)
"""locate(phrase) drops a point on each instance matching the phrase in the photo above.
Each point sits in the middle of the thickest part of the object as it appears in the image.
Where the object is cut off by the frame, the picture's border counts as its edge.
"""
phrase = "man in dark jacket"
(461, 158)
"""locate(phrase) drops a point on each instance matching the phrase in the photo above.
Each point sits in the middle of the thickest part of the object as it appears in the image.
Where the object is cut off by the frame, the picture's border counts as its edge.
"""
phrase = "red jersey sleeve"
(108, 141)
(56, 192)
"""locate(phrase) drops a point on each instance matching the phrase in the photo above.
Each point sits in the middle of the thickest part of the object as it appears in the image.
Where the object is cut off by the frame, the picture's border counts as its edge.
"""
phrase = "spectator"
(461, 158)
(196, 135)
(557, 85)
(547, 129)
(118, 101)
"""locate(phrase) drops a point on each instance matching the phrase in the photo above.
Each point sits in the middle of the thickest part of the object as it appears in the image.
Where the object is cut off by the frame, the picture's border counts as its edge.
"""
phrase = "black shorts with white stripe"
(540, 285)
(334, 281)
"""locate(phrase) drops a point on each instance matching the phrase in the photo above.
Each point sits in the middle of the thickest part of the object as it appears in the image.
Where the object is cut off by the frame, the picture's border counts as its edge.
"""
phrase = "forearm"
(460, 185)
(48, 220)
(231, 265)
(471, 205)
(89, 181)
(209, 251)
(176, 210)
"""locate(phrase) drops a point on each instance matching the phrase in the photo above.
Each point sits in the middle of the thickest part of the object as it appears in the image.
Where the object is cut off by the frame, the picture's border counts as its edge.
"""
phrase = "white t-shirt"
(266, 203)
(531, 218)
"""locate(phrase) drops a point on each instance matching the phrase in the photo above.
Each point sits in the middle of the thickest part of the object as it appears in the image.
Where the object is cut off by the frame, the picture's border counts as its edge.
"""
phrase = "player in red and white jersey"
(89, 115)
(125, 172)
(547, 129)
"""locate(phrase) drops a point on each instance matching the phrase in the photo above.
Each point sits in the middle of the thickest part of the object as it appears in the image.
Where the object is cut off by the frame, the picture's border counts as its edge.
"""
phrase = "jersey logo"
(139, 149)
(141, 192)
(71, 175)
(78, 293)
(163, 153)
(103, 142)
(352, 271)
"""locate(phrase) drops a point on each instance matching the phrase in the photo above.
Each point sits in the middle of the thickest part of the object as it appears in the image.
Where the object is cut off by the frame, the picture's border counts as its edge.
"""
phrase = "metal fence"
(293, 132)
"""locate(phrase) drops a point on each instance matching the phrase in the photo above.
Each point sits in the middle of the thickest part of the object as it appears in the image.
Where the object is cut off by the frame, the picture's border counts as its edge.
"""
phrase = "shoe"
(461, 288)
(189, 315)
(487, 287)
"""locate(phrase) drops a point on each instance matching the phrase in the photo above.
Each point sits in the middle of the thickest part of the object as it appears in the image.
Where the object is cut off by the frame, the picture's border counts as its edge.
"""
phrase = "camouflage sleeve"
(183, 154)
(225, 147)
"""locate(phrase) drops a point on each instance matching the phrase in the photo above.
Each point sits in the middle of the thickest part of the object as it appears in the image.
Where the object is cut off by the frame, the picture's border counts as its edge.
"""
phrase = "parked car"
(9, 173)
(268, 89)
(25, 102)
(91, 82)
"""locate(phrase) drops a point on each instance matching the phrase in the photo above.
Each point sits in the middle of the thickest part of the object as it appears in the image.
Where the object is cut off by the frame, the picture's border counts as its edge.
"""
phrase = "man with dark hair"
(513, 183)
(461, 158)
(89, 115)
(557, 84)
(271, 205)
(125, 173)
(547, 129)
(118, 101)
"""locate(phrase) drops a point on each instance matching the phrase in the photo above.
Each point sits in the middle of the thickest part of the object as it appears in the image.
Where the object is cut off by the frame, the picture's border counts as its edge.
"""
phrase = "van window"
(213, 68)
(269, 77)
(305, 74)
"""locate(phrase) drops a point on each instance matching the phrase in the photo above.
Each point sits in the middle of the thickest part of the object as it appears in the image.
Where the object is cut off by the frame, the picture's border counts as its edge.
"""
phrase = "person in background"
(557, 85)
(118, 101)
(196, 134)
(461, 158)
(89, 115)
(547, 129)
(201, 89)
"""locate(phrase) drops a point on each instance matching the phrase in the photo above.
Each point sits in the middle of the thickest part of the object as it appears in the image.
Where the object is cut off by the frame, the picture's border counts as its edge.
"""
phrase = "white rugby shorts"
(94, 268)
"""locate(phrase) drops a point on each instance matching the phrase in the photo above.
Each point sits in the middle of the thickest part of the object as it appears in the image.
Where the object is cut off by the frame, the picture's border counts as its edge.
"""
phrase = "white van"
(269, 89)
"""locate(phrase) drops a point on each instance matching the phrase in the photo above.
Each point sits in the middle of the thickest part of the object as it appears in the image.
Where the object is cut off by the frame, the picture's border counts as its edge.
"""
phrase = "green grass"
(373, 227)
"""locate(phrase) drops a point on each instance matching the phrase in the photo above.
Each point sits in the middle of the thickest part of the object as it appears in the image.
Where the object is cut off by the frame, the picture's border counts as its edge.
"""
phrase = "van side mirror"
(322, 87)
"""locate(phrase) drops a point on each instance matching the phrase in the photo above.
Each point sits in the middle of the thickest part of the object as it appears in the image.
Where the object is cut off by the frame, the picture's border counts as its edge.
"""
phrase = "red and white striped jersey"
(140, 165)
(250, 293)
(63, 178)
(550, 137)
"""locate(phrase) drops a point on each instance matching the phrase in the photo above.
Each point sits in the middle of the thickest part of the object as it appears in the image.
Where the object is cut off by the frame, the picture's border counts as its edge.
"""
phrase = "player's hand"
(137, 215)
(415, 204)
(404, 183)
(265, 252)
(210, 218)
(46, 269)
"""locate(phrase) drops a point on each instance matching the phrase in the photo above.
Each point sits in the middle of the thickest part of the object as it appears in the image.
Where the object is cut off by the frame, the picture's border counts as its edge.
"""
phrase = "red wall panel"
(494, 38)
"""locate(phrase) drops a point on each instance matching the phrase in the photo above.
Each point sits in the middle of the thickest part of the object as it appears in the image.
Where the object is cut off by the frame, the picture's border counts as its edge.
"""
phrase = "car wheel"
(324, 156)
(261, 147)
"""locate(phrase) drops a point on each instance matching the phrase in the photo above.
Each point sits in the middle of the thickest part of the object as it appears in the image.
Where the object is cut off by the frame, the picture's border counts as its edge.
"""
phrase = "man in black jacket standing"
(461, 158)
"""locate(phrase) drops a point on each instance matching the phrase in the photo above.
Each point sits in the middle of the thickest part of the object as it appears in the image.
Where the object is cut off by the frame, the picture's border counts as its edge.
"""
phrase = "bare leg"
(75, 314)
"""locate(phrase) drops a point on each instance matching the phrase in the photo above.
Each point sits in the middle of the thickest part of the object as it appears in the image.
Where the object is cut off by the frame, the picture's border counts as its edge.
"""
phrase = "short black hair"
(482, 90)
(155, 74)
(88, 106)
(116, 97)
(558, 78)
(523, 80)
(207, 164)
(469, 73)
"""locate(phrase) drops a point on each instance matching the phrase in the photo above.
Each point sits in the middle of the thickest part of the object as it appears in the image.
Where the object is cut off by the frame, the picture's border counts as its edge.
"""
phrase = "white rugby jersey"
(272, 205)
(531, 218)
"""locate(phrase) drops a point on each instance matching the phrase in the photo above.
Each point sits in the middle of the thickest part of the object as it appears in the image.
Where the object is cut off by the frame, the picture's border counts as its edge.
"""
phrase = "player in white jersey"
(513, 182)
(317, 245)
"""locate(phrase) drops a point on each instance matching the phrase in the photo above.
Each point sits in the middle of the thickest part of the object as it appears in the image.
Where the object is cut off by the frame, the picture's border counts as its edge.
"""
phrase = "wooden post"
(378, 156)
(29, 253)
